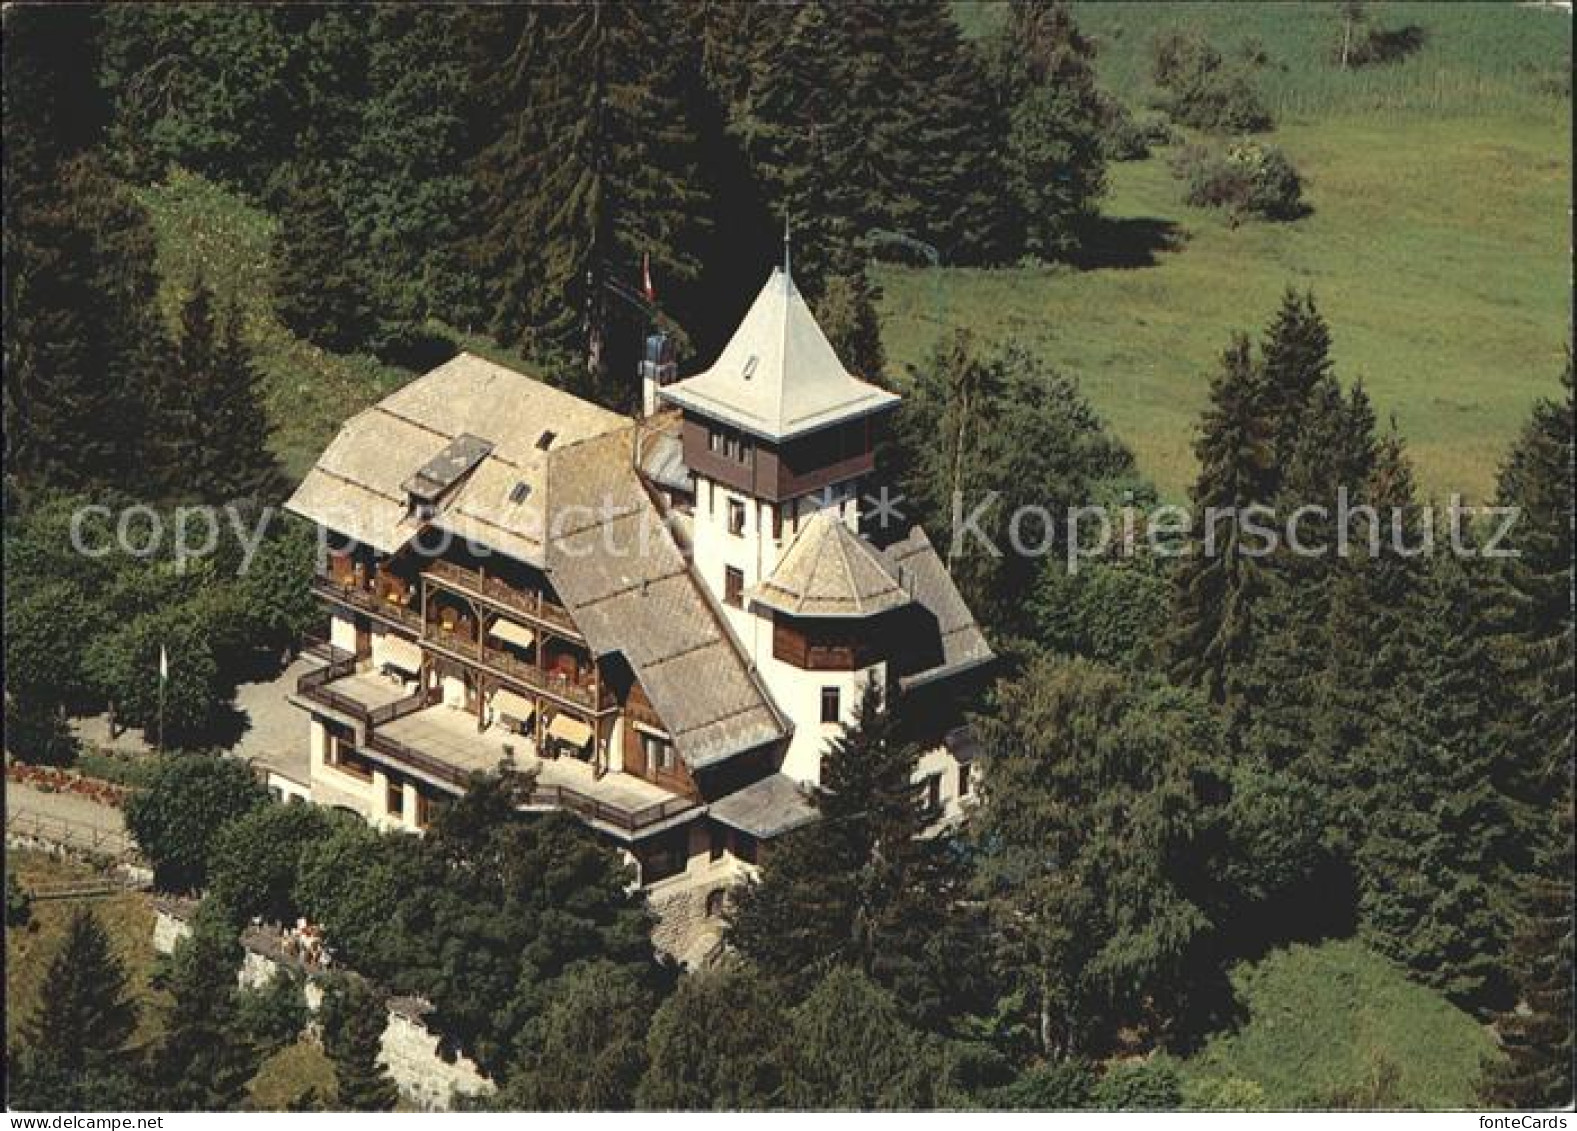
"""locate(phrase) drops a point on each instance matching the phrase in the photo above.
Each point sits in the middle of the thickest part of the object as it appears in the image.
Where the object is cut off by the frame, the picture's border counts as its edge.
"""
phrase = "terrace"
(368, 697)
(443, 743)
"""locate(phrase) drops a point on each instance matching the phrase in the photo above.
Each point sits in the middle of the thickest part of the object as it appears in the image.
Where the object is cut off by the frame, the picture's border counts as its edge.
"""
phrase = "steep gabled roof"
(829, 571)
(472, 436)
(623, 578)
(779, 377)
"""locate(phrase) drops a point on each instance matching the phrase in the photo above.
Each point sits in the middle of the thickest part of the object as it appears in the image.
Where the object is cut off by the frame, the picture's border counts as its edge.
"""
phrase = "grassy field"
(1438, 246)
(1336, 1025)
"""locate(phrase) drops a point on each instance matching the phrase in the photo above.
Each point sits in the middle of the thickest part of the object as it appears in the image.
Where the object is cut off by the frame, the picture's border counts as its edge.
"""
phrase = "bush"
(1199, 89)
(1247, 178)
(18, 904)
(1140, 1085)
(1064, 1085)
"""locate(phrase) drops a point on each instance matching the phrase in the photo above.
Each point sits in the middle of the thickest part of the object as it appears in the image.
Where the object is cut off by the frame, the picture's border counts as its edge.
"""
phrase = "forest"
(1214, 786)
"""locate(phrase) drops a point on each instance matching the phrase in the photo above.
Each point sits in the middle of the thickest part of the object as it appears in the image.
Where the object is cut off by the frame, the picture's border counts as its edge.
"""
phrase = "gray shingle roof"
(829, 571)
(915, 563)
(779, 377)
(770, 807)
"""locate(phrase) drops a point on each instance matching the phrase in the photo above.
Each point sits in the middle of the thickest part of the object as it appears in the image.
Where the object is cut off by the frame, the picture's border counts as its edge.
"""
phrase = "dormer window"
(545, 441)
(520, 492)
(750, 366)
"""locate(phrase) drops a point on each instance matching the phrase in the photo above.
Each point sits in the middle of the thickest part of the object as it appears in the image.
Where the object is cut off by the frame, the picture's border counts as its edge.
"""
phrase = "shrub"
(1064, 1085)
(1199, 89)
(18, 904)
(1247, 178)
(1140, 1085)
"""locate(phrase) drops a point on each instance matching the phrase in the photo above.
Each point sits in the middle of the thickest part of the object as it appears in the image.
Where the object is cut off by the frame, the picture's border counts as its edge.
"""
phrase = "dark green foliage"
(354, 882)
(84, 1016)
(274, 1014)
(1114, 612)
(589, 166)
(319, 290)
(43, 663)
(850, 1047)
(123, 666)
(83, 336)
(997, 431)
(859, 887)
(1537, 1034)
(177, 819)
(715, 1044)
(18, 903)
(255, 860)
(205, 1056)
(1219, 578)
(353, 1019)
(1198, 88)
(846, 313)
(1139, 1085)
(1099, 843)
(586, 1051)
(1054, 152)
(1247, 178)
(1058, 1085)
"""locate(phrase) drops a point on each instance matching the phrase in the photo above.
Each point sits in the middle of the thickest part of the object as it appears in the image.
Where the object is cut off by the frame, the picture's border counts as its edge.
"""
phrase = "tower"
(779, 436)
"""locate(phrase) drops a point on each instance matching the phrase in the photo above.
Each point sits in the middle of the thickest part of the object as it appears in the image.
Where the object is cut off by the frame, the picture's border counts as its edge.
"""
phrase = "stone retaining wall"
(411, 1052)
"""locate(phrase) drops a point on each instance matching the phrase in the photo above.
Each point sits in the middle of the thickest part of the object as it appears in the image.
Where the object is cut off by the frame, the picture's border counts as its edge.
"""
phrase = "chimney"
(658, 368)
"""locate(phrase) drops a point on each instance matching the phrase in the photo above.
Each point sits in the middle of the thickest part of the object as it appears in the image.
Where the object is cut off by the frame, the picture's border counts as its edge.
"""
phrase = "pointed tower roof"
(830, 571)
(778, 377)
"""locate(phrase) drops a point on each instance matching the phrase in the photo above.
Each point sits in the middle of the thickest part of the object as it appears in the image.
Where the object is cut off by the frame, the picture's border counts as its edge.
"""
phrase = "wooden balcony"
(587, 695)
(380, 597)
(529, 603)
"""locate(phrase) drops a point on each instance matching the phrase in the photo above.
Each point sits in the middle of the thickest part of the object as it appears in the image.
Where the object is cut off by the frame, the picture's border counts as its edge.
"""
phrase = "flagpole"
(164, 675)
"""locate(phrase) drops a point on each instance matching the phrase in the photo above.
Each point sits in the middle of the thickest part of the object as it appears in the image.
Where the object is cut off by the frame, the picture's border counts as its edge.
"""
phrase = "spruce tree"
(1219, 582)
(1296, 361)
(84, 338)
(353, 1019)
(84, 1016)
(1536, 1033)
(204, 1059)
(590, 169)
(847, 314)
(861, 886)
(320, 293)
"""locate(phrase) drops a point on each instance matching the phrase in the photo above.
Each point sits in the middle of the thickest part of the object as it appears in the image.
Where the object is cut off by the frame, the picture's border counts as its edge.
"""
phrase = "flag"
(646, 278)
(164, 664)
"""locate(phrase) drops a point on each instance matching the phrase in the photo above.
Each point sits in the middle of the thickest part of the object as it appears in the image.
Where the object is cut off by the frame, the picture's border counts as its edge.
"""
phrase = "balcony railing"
(317, 685)
(588, 696)
(389, 602)
(542, 796)
(530, 602)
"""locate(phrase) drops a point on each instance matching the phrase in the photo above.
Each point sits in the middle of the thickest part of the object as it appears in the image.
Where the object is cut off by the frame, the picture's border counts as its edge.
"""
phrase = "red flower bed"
(53, 780)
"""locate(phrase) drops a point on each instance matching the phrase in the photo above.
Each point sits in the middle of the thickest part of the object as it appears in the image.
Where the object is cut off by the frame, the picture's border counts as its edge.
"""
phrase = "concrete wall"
(410, 1051)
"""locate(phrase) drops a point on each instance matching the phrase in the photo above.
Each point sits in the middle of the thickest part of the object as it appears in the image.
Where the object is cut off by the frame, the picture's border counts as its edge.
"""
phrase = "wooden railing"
(316, 685)
(585, 695)
(531, 602)
(66, 833)
(346, 591)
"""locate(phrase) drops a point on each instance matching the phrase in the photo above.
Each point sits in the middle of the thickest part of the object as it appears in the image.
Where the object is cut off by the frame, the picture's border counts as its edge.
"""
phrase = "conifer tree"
(204, 1060)
(353, 1019)
(319, 289)
(84, 339)
(591, 168)
(84, 1016)
(860, 886)
(1536, 1034)
(715, 1044)
(1296, 360)
(1219, 581)
(847, 314)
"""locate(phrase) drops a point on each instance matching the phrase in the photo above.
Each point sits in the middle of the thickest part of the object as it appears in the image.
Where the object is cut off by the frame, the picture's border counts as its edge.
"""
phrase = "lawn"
(1438, 246)
(1337, 1025)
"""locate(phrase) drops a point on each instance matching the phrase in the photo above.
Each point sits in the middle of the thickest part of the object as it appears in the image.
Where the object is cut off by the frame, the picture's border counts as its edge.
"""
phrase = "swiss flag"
(646, 278)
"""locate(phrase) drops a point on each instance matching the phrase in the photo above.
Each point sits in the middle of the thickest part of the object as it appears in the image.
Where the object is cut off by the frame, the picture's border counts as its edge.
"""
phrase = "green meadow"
(1438, 246)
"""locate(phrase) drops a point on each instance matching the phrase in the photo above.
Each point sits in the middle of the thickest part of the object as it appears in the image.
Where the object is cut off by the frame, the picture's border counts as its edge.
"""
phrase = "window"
(777, 523)
(736, 518)
(830, 705)
(716, 901)
(963, 780)
(659, 753)
(933, 793)
(719, 842)
(733, 587)
(734, 449)
(714, 440)
(395, 803)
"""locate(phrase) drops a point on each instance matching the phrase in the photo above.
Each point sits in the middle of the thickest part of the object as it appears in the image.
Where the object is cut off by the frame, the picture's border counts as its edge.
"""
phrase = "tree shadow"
(1127, 242)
